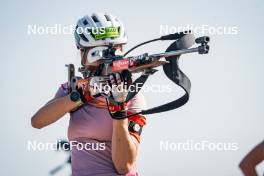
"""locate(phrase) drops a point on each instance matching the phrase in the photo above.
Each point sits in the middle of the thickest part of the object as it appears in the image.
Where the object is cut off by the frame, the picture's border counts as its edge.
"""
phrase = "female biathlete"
(90, 123)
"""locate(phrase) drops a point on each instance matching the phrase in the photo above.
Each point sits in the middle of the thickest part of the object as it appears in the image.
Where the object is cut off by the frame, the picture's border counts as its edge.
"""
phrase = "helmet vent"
(84, 38)
(95, 19)
(107, 18)
(85, 22)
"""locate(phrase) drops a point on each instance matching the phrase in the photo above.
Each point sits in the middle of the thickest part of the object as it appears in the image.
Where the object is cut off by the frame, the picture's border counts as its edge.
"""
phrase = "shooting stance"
(113, 117)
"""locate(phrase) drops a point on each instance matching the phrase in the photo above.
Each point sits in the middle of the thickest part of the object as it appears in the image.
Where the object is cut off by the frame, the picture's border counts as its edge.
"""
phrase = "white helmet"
(98, 30)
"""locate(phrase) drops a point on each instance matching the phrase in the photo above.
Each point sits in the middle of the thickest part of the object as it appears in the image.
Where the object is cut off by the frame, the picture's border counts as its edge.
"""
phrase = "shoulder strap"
(174, 73)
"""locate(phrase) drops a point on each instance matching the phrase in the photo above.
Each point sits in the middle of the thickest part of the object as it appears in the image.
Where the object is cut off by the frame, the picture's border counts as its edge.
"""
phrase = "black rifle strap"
(174, 73)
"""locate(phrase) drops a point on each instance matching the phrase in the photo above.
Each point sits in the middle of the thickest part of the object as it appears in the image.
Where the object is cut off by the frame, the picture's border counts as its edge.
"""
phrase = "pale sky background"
(226, 103)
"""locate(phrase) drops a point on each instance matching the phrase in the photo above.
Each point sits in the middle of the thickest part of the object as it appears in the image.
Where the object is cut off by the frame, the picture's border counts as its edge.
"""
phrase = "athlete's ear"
(82, 55)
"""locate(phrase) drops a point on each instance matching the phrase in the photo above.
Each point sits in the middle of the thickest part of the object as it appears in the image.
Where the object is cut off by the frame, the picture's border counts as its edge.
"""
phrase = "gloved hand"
(89, 88)
(120, 83)
(79, 92)
(82, 86)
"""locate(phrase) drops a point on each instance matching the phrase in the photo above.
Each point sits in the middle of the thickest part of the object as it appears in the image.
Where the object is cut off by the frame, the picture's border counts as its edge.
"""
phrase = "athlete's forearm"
(124, 147)
(52, 111)
(248, 169)
(252, 159)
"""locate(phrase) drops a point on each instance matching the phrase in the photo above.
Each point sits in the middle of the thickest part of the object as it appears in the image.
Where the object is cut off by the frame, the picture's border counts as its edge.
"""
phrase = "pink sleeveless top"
(92, 125)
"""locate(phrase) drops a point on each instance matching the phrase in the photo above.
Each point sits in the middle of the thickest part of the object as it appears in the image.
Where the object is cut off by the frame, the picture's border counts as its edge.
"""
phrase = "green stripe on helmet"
(109, 32)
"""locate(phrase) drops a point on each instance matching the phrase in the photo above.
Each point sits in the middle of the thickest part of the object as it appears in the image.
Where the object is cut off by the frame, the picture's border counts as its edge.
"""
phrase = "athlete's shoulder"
(63, 90)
